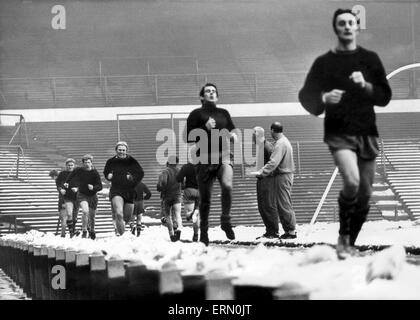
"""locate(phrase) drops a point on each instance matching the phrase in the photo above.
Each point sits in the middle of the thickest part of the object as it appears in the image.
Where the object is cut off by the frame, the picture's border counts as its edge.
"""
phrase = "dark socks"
(346, 211)
(357, 221)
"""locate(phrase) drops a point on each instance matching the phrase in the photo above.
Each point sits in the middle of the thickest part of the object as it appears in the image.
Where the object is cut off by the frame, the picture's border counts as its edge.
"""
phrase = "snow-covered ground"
(315, 270)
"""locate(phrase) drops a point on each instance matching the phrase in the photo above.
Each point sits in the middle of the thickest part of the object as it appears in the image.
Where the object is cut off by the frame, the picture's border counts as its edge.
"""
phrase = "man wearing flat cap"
(277, 176)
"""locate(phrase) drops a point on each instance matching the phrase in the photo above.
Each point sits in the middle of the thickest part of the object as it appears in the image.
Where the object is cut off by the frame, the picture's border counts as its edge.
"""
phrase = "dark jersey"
(197, 120)
(354, 115)
(167, 183)
(80, 178)
(60, 181)
(120, 167)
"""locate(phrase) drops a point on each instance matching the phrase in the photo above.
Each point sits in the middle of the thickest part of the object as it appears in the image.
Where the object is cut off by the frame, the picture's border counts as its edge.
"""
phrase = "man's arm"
(136, 171)
(108, 170)
(379, 90)
(60, 181)
(147, 191)
(310, 96)
(274, 161)
(230, 126)
(194, 121)
(98, 182)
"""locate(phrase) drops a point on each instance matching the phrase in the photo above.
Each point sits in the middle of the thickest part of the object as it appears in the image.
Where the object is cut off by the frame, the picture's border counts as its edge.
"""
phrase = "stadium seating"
(34, 200)
(146, 90)
(403, 173)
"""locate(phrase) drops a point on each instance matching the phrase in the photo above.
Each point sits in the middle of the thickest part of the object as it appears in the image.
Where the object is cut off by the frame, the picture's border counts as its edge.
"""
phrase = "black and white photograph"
(210, 156)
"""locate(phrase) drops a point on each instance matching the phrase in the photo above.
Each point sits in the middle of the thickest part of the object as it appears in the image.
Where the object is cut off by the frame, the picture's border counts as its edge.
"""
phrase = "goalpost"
(9, 119)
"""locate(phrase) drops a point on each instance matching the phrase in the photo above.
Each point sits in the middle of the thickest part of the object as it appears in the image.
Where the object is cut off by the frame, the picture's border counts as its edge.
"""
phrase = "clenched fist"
(333, 97)
(357, 78)
(211, 123)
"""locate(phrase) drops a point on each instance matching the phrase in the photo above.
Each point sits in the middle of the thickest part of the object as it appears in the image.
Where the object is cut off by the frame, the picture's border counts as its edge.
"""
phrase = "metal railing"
(20, 155)
(20, 128)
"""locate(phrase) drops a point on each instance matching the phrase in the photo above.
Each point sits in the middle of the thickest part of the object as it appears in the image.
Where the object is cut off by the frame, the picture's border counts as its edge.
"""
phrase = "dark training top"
(61, 180)
(187, 172)
(80, 178)
(167, 184)
(142, 189)
(197, 120)
(354, 115)
(119, 167)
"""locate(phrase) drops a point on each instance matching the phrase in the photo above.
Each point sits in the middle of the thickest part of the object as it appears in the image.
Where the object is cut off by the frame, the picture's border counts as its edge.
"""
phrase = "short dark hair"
(53, 173)
(208, 84)
(276, 127)
(342, 11)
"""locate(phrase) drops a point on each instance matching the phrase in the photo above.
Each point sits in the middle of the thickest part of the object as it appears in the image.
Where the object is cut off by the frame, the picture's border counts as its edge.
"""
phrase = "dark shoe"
(133, 229)
(204, 238)
(84, 234)
(227, 228)
(268, 235)
(173, 238)
(195, 237)
(139, 229)
(92, 235)
(288, 236)
(178, 234)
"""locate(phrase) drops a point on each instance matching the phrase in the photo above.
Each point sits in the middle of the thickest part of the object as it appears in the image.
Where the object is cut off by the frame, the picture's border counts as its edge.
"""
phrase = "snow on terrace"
(315, 270)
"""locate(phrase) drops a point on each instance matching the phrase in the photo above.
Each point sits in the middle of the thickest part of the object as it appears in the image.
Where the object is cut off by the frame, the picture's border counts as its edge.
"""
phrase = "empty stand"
(33, 201)
(165, 89)
(403, 173)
